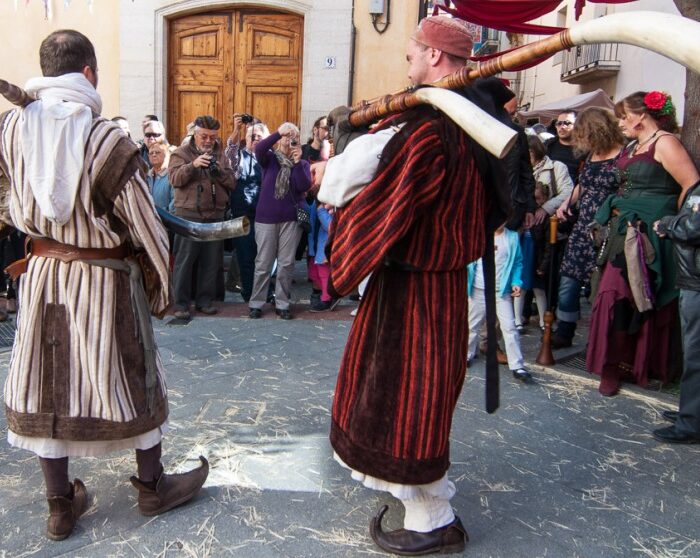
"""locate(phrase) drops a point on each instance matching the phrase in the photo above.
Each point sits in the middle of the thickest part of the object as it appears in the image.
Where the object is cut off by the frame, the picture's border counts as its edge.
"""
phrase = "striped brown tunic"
(77, 368)
(415, 227)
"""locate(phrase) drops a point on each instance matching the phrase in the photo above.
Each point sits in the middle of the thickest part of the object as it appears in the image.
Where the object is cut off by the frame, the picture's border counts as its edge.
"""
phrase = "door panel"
(273, 105)
(194, 100)
(270, 67)
(234, 61)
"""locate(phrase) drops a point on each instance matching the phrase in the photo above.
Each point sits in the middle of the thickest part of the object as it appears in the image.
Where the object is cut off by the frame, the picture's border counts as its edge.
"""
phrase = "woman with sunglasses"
(153, 132)
(635, 313)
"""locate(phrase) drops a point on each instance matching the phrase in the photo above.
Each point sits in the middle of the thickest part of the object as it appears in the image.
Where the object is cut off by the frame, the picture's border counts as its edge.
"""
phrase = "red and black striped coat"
(415, 227)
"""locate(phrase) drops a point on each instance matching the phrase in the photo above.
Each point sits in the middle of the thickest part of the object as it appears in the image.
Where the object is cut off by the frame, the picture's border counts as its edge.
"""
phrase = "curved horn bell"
(675, 37)
(204, 232)
(492, 135)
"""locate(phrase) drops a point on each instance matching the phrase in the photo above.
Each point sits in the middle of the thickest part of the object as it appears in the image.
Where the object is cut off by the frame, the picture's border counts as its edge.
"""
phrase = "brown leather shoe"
(449, 539)
(170, 490)
(64, 511)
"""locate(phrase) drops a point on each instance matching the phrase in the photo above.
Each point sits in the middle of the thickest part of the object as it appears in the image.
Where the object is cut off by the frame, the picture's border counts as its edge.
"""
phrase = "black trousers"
(688, 421)
(196, 259)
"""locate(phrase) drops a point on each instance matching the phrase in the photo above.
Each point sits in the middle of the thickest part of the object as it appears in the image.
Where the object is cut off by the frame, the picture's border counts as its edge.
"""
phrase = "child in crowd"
(536, 260)
(322, 270)
(509, 266)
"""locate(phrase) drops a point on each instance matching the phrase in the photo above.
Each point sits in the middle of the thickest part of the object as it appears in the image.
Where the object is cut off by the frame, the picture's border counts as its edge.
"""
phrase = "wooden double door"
(234, 61)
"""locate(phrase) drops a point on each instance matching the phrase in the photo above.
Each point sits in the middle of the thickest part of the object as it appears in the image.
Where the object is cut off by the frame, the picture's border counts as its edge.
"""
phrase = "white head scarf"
(53, 133)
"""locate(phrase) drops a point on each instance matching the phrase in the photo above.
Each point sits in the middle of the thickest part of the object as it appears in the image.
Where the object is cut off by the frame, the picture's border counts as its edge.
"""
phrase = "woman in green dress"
(635, 314)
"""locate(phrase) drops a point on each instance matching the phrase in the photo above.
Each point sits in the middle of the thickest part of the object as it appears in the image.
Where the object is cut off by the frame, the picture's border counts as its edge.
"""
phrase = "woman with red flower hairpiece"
(635, 313)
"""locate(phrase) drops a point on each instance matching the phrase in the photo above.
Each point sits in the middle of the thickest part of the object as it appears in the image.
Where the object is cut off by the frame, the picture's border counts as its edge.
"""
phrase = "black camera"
(247, 118)
(294, 143)
(213, 169)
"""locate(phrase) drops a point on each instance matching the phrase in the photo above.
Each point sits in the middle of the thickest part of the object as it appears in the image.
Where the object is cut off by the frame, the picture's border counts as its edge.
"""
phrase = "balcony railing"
(590, 62)
(488, 42)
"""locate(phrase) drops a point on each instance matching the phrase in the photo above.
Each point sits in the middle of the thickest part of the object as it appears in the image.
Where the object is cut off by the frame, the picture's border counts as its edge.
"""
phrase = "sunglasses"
(152, 135)
(560, 123)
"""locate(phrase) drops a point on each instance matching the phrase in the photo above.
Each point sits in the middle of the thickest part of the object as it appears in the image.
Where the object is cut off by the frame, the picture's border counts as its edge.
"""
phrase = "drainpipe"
(353, 40)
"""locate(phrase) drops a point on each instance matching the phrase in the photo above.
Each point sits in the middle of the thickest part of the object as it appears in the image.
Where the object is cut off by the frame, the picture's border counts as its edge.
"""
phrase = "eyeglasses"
(560, 123)
(256, 138)
(152, 135)
(323, 128)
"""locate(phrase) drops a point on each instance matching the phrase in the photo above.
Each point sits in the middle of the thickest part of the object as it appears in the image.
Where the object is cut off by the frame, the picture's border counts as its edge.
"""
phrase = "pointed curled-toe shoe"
(64, 511)
(449, 539)
(171, 490)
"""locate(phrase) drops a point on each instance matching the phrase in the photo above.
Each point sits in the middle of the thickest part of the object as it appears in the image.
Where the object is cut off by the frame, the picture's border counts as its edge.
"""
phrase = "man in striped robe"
(415, 228)
(85, 376)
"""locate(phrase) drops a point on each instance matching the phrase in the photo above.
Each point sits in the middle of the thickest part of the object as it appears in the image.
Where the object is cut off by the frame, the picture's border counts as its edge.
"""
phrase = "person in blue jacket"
(509, 267)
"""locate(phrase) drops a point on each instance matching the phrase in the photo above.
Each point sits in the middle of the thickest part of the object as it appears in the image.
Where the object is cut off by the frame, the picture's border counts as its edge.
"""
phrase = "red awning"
(511, 15)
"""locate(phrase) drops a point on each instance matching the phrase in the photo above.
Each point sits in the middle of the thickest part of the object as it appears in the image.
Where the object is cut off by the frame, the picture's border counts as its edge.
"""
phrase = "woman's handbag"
(304, 219)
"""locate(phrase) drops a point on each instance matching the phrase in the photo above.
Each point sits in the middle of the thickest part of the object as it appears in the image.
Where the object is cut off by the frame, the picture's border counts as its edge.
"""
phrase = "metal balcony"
(586, 63)
(488, 43)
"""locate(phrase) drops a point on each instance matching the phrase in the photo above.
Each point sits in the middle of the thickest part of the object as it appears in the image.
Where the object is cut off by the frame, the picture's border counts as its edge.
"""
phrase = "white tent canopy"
(549, 112)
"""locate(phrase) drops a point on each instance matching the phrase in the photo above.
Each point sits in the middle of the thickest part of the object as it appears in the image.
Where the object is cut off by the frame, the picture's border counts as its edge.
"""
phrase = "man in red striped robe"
(415, 227)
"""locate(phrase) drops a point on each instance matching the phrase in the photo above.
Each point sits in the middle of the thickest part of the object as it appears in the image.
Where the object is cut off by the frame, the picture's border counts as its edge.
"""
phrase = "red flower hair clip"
(659, 101)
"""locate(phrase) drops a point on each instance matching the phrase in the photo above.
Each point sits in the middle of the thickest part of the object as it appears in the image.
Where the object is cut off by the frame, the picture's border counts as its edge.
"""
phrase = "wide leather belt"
(47, 248)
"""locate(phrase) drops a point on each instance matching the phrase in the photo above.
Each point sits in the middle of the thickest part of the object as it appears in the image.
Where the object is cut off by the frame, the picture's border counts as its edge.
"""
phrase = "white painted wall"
(641, 70)
(143, 65)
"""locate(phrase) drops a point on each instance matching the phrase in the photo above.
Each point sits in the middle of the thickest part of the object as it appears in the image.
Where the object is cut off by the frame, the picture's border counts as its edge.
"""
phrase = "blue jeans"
(568, 306)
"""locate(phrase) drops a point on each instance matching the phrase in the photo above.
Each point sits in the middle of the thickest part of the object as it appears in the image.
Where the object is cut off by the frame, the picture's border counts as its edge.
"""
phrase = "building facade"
(278, 59)
(292, 59)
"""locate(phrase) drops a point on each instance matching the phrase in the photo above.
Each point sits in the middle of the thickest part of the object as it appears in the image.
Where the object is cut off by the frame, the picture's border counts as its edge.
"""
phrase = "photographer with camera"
(202, 179)
(244, 199)
(285, 180)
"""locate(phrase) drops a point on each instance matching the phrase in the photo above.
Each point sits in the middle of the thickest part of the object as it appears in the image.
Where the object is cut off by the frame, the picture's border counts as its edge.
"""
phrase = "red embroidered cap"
(446, 34)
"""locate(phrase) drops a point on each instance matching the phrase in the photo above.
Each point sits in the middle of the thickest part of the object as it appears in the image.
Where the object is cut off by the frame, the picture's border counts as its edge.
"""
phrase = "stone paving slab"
(557, 471)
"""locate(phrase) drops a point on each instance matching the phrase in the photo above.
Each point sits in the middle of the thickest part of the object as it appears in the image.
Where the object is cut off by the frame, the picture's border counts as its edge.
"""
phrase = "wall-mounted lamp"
(378, 8)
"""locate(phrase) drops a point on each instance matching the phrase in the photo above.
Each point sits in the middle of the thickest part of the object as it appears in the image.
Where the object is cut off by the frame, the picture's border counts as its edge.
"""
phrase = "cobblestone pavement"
(557, 471)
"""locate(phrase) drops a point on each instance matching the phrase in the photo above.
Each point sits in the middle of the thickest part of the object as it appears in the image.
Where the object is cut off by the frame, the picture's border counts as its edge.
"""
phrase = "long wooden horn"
(673, 36)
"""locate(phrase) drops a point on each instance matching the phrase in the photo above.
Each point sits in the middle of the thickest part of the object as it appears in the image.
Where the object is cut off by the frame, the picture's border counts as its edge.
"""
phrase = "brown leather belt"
(47, 248)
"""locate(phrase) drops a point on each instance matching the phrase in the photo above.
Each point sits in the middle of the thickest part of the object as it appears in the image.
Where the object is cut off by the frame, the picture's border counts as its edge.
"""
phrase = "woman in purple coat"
(286, 177)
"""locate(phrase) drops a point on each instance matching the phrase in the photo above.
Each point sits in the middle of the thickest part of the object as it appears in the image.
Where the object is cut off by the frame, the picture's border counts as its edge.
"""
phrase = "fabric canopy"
(549, 112)
(511, 15)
